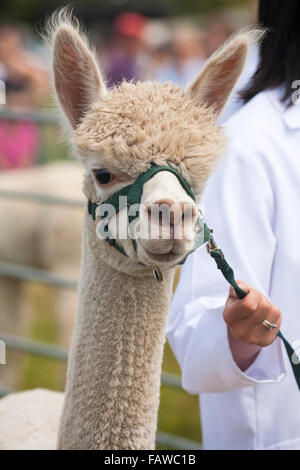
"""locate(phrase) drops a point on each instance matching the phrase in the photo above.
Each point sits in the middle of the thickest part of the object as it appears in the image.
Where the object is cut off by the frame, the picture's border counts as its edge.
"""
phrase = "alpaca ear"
(220, 73)
(77, 79)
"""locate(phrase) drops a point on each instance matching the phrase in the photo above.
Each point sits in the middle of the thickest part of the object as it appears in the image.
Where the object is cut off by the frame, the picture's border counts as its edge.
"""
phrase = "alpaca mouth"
(168, 257)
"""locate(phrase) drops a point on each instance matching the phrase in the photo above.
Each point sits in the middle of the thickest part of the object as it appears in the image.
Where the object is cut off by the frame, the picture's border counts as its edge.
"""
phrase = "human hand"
(244, 317)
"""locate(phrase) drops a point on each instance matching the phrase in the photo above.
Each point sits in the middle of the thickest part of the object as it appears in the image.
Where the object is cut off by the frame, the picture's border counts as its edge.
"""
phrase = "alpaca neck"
(113, 380)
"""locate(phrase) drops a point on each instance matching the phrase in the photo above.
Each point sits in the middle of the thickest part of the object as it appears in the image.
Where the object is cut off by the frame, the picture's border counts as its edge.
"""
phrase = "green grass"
(40, 371)
(53, 146)
(178, 411)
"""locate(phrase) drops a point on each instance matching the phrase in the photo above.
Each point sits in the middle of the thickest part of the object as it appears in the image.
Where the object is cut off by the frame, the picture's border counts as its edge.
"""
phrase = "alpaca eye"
(104, 176)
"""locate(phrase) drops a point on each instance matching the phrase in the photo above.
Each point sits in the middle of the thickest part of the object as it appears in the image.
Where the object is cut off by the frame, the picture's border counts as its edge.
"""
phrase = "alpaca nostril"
(168, 203)
(172, 218)
(189, 213)
(160, 211)
(171, 213)
(155, 214)
(182, 213)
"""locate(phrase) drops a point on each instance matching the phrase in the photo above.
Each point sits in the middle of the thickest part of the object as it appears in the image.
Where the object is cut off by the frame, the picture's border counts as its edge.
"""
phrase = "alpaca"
(112, 392)
(43, 236)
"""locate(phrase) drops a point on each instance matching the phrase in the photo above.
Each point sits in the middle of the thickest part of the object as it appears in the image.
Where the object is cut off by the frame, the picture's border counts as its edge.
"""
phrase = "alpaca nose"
(167, 212)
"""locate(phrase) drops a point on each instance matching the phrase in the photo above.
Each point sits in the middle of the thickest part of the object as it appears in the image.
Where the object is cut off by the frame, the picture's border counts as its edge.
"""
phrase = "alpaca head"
(123, 131)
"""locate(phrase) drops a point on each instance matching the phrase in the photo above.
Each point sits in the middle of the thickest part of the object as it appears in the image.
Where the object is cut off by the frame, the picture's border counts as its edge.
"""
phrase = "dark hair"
(280, 49)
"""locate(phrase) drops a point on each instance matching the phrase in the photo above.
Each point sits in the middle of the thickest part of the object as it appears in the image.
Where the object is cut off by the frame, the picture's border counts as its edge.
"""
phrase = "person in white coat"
(249, 398)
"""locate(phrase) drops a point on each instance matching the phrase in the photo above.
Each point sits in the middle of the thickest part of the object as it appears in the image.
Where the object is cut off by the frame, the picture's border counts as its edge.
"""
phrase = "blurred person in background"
(249, 398)
(158, 40)
(188, 52)
(179, 56)
(25, 81)
(123, 54)
(217, 29)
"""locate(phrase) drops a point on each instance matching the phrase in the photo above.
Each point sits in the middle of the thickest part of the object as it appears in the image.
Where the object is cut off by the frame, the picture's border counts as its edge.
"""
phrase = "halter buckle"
(157, 273)
(212, 246)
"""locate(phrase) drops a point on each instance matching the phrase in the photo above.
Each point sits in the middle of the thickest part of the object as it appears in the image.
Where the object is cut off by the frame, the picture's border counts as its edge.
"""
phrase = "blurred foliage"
(39, 371)
(178, 411)
(50, 152)
(34, 11)
(206, 6)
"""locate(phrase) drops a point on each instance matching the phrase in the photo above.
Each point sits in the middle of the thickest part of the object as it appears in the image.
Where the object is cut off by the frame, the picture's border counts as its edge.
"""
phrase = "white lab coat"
(252, 202)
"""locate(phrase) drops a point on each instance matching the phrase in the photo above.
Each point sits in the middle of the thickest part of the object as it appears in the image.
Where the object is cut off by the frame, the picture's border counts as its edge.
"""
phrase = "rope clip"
(212, 246)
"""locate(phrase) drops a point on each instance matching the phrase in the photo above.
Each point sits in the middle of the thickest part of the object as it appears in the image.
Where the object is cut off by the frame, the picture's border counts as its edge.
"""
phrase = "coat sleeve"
(240, 206)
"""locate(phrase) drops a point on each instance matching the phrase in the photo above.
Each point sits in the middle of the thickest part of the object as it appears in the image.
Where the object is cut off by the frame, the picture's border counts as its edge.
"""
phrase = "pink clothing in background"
(19, 144)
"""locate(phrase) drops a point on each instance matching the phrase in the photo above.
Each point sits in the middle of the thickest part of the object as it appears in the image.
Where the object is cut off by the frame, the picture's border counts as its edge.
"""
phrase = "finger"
(241, 309)
(274, 317)
(258, 333)
(262, 311)
(242, 285)
(256, 309)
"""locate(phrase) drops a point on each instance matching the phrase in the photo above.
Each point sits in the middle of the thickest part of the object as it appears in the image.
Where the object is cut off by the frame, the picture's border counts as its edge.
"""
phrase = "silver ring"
(270, 326)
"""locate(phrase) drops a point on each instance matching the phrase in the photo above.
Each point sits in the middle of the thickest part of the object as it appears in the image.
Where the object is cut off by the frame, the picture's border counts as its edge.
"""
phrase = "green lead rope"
(228, 273)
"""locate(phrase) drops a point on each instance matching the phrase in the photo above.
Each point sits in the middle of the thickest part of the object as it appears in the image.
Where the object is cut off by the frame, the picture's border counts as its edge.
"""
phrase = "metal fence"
(27, 273)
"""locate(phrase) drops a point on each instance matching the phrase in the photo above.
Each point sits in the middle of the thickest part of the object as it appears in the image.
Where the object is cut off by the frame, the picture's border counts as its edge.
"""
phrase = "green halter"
(134, 192)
